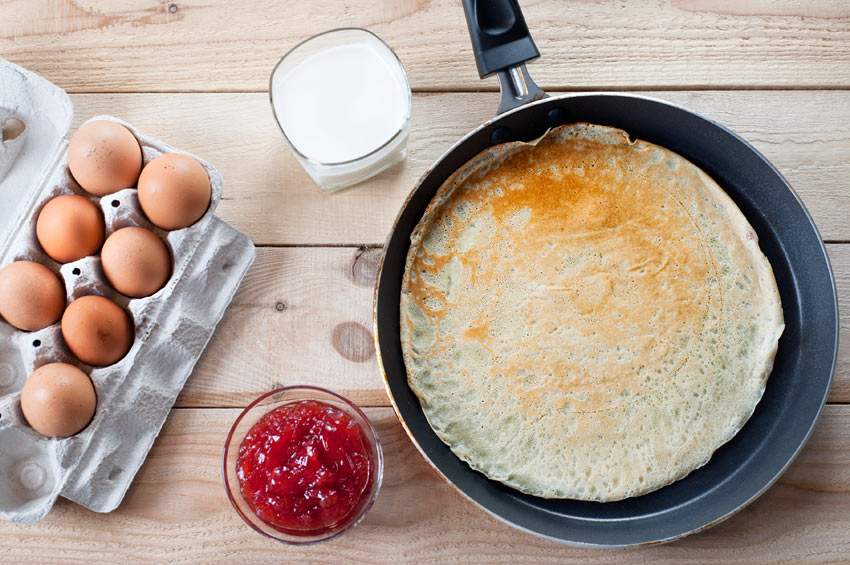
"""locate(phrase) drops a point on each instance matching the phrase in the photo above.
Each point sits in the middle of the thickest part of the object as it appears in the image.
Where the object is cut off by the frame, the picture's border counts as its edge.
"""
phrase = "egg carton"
(134, 396)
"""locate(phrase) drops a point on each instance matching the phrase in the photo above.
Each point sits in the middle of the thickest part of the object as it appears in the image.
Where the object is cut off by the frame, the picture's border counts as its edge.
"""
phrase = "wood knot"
(364, 266)
(353, 341)
(172, 8)
(280, 306)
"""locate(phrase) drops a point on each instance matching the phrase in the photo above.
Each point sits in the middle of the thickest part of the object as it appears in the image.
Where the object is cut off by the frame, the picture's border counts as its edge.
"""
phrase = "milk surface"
(342, 103)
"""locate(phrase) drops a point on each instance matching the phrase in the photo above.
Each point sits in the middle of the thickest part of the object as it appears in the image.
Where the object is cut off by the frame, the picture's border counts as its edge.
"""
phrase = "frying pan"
(796, 391)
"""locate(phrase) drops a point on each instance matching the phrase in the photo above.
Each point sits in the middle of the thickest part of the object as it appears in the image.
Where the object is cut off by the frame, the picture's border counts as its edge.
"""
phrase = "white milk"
(343, 103)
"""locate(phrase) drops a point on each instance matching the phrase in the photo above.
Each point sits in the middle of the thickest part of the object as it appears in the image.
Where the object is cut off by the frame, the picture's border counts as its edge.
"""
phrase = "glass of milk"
(342, 101)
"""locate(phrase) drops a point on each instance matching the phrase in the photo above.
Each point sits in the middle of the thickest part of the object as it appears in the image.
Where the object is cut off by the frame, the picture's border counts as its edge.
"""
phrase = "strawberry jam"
(304, 467)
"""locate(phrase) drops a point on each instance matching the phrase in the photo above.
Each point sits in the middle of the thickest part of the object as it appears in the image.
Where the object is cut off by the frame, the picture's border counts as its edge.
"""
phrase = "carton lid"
(25, 160)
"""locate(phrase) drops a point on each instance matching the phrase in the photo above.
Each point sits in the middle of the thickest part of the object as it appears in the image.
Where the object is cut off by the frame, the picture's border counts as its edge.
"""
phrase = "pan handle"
(501, 44)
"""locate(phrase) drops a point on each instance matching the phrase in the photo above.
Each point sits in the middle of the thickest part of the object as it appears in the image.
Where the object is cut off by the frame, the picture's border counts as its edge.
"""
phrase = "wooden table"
(194, 73)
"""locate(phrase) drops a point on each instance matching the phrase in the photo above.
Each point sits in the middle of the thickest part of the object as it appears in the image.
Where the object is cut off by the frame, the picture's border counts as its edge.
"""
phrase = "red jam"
(304, 467)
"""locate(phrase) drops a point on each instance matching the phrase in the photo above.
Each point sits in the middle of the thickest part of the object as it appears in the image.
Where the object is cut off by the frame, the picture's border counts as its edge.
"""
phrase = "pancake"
(587, 317)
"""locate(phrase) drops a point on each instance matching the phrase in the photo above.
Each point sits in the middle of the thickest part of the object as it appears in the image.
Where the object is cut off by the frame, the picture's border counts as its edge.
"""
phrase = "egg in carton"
(172, 327)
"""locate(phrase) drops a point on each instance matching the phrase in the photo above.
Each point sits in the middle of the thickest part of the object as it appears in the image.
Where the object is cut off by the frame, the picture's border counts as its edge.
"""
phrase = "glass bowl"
(257, 410)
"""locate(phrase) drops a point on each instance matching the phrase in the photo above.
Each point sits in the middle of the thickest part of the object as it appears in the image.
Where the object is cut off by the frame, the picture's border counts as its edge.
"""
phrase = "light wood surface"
(194, 74)
(203, 45)
(177, 510)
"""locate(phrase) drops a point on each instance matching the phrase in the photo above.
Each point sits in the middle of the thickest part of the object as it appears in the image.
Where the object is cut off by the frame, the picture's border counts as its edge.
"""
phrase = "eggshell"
(104, 157)
(135, 261)
(97, 330)
(70, 227)
(31, 296)
(174, 191)
(58, 400)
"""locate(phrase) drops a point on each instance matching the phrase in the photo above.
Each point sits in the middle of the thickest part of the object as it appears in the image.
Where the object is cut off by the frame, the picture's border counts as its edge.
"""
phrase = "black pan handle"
(502, 45)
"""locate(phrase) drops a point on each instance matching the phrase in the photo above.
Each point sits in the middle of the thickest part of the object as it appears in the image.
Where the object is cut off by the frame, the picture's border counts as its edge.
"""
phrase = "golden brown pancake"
(587, 317)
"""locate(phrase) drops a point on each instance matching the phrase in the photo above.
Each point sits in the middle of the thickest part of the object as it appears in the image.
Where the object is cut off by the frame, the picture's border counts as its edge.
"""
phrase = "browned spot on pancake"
(583, 203)
(364, 266)
(353, 341)
(476, 333)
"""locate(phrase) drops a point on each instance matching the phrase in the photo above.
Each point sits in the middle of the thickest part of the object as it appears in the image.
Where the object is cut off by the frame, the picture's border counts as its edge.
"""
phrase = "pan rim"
(737, 505)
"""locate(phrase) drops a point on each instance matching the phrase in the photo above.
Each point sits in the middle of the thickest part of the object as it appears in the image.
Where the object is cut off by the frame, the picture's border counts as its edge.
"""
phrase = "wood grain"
(203, 45)
(301, 316)
(839, 256)
(285, 326)
(176, 510)
(269, 197)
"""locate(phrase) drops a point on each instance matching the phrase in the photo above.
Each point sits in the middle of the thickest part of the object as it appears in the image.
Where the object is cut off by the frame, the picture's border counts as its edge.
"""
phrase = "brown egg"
(135, 261)
(69, 227)
(96, 330)
(58, 400)
(174, 191)
(31, 296)
(104, 157)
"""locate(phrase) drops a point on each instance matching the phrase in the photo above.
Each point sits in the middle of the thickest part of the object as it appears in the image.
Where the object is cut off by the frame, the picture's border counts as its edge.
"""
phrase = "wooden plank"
(176, 510)
(301, 316)
(268, 196)
(304, 316)
(839, 256)
(201, 45)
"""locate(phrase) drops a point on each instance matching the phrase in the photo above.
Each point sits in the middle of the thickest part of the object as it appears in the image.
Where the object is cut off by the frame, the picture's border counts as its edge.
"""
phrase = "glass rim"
(375, 151)
(379, 464)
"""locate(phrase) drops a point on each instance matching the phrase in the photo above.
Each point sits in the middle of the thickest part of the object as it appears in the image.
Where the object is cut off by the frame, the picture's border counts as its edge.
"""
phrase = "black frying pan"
(796, 390)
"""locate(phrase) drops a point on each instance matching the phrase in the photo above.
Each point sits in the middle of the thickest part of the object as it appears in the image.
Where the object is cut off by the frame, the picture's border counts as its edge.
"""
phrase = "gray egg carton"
(134, 396)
